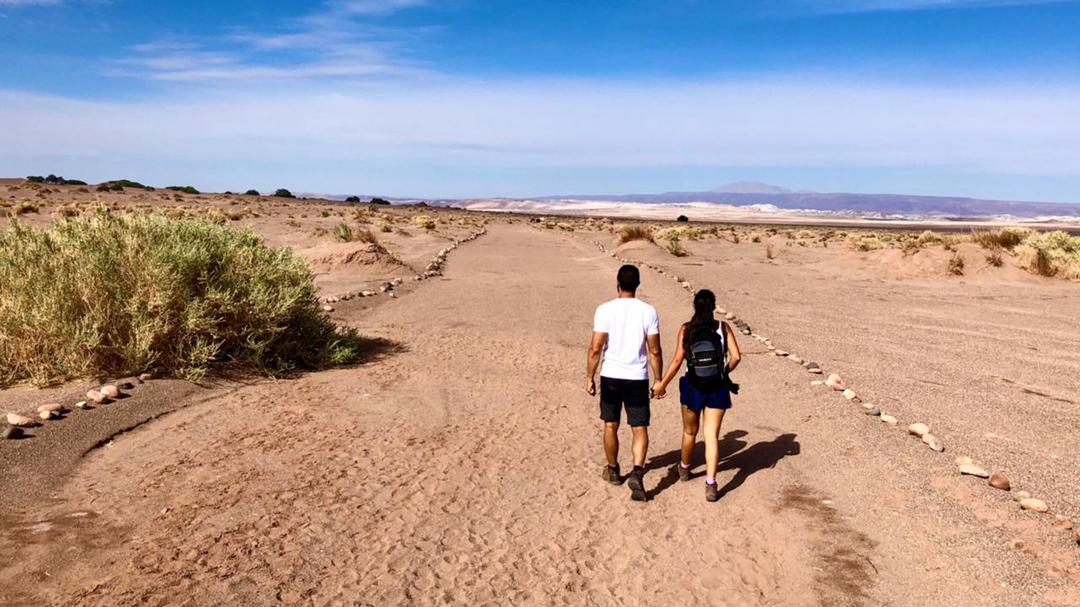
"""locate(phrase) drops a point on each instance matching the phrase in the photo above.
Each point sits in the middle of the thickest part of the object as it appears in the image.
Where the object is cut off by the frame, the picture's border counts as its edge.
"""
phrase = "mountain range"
(745, 193)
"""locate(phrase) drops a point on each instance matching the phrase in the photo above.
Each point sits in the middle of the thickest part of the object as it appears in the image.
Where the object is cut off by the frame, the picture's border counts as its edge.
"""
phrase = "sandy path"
(463, 468)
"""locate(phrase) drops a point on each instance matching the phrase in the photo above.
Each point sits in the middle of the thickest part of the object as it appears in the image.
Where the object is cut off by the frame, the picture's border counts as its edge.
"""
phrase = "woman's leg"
(689, 434)
(713, 419)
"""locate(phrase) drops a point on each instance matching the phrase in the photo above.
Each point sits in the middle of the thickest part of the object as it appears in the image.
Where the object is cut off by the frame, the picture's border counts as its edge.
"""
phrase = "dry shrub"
(675, 248)
(1051, 254)
(24, 207)
(995, 259)
(866, 242)
(1004, 238)
(635, 232)
(927, 238)
(424, 221)
(956, 264)
(343, 233)
(113, 295)
(770, 253)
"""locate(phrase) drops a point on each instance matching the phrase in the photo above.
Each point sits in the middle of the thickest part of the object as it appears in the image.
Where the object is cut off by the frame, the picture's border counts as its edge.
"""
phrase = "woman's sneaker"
(684, 473)
(712, 492)
(611, 475)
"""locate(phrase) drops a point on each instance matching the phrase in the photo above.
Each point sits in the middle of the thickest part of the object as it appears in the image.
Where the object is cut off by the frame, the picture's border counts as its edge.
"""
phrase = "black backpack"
(706, 358)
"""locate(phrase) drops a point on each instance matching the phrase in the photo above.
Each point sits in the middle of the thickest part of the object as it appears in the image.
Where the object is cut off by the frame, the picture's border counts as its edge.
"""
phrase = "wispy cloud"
(786, 122)
(14, 3)
(337, 41)
(863, 6)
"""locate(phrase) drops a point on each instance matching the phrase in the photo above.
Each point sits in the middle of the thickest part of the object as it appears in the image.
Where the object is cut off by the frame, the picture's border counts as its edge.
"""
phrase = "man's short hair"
(629, 278)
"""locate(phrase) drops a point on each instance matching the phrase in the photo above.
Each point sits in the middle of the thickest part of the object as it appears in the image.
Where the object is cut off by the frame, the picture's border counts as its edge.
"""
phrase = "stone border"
(920, 430)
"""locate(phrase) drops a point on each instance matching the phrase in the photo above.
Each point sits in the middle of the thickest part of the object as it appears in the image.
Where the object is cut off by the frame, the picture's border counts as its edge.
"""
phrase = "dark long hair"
(704, 305)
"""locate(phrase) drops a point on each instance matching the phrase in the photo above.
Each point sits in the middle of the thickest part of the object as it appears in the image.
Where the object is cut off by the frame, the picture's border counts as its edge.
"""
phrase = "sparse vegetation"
(113, 295)
(635, 232)
(1051, 254)
(994, 258)
(1004, 238)
(24, 207)
(343, 233)
(956, 264)
(424, 221)
(866, 242)
(675, 248)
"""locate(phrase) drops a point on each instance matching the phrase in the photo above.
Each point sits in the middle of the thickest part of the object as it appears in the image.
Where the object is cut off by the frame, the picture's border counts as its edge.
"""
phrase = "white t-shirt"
(626, 321)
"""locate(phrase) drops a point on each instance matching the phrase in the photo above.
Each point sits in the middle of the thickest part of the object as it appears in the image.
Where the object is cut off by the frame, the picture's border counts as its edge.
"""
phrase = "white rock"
(849, 394)
(1020, 495)
(110, 391)
(81, 404)
(834, 382)
(45, 414)
(328, 308)
(888, 419)
(933, 442)
(963, 459)
(51, 407)
(973, 470)
(918, 429)
(1031, 503)
(19, 421)
(97, 397)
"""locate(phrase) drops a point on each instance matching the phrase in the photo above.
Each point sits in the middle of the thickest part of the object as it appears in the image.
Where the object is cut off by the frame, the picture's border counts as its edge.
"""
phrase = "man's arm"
(596, 348)
(656, 357)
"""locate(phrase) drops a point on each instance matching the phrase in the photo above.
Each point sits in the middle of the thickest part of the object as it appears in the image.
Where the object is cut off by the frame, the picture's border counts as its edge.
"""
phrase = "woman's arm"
(734, 355)
(673, 368)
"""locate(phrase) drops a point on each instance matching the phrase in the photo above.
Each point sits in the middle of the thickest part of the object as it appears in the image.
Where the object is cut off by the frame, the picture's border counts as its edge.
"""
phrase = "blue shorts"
(696, 399)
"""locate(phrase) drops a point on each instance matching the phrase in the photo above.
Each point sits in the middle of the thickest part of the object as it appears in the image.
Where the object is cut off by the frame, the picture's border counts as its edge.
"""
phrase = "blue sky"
(448, 98)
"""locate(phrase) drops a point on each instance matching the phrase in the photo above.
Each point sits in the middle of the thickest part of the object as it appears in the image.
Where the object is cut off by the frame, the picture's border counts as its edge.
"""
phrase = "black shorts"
(631, 393)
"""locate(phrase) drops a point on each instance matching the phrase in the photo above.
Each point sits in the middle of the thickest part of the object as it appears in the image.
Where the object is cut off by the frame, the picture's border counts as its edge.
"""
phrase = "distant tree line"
(54, 180)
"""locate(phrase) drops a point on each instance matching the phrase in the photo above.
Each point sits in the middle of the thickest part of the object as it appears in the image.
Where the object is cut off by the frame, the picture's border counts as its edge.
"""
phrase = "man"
(626, 332)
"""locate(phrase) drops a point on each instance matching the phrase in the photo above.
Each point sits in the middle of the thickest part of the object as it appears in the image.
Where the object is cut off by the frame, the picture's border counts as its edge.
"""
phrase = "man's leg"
(637, 415)
(640, 445)
(611, 442)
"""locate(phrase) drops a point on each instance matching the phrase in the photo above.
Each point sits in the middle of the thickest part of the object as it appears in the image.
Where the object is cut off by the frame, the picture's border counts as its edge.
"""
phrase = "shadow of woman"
(755, 458)
(730, 444)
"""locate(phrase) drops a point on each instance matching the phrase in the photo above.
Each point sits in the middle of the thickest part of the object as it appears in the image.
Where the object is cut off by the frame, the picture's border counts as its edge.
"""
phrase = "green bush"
(283, 193)
(352, 199)
(674, 246)
(251, 193)
(114, 295)
(186, 189)
(378, 200)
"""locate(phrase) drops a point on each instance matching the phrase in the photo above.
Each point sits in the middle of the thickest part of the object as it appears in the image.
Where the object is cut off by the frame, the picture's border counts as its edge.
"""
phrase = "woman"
(711, 352)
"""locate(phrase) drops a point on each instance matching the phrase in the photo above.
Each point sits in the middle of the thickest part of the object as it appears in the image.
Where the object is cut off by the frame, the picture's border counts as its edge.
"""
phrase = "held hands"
(590, 386)
(659, 391)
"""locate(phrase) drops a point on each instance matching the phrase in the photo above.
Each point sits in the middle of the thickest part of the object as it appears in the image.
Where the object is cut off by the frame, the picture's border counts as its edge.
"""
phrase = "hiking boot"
(712, 492)
(611, 475)
(636, 481)
(684, 473)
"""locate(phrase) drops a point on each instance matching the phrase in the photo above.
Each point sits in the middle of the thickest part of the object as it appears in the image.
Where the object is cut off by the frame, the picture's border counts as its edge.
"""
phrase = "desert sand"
(460, 462)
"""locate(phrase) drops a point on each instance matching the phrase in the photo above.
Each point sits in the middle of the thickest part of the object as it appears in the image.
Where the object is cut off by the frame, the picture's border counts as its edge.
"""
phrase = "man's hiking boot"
(635, 480)
(684, 473)
(611, 475)
(712, 492)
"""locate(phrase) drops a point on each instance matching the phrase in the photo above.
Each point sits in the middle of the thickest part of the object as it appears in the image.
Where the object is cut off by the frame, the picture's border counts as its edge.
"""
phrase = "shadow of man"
(755, 458)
